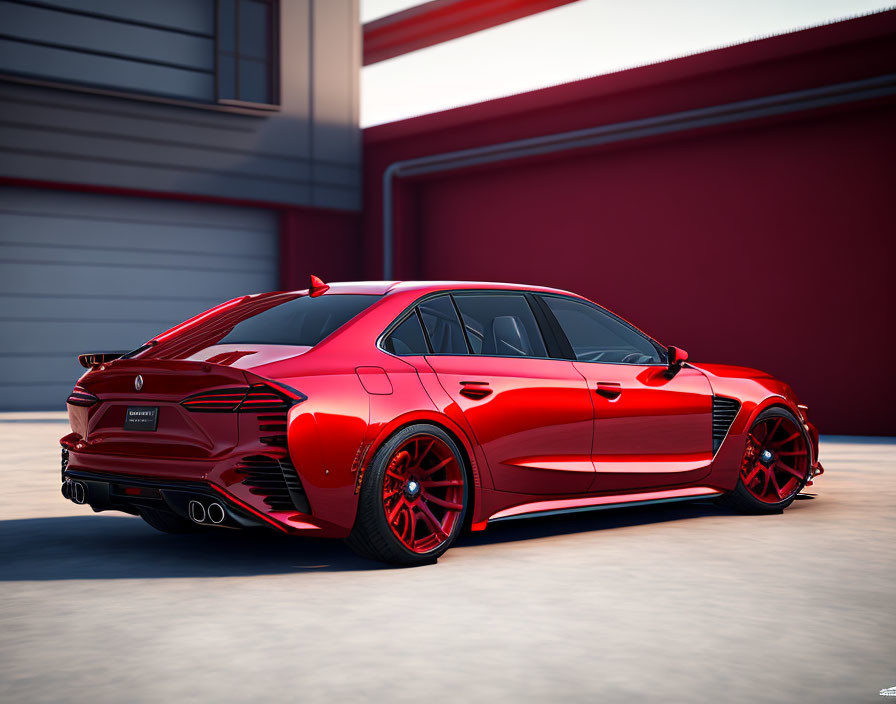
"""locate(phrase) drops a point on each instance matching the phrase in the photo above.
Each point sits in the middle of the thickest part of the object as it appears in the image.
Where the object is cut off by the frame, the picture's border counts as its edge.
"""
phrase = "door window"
(596, 336)
(407, 338)
(442, 326)
(500, 325)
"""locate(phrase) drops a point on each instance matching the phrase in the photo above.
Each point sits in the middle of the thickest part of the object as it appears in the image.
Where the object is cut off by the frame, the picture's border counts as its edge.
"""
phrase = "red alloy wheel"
(423, 493)
(776, 460)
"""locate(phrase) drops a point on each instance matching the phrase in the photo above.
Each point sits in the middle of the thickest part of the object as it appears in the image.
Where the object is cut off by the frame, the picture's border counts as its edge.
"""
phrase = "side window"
(598, 337)
(442, 326)
(407, 338)
(501, 325)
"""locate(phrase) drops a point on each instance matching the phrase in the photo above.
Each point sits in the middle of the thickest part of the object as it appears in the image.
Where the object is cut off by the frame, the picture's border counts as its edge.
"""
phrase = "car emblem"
(138, 383)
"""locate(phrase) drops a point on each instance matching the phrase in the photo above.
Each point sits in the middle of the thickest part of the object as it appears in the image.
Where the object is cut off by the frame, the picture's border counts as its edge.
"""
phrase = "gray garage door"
(82, 272)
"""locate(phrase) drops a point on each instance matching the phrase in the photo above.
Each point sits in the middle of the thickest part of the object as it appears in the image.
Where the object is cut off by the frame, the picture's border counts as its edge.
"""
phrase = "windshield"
(281, 319)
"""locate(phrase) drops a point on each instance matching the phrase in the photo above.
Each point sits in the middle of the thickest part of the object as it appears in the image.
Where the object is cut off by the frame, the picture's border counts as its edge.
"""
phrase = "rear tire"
(167, 522)
(775, 466)
(413, 499)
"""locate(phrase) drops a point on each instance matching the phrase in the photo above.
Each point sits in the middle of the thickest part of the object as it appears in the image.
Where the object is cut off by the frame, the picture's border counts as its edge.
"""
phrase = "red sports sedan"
(396, 415)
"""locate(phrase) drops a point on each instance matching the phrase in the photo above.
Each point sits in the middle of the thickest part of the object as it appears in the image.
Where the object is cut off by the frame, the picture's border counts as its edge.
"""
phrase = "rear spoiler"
(90, 360)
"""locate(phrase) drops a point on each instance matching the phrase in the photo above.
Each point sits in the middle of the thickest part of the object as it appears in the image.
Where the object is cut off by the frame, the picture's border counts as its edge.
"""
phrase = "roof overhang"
(441, 20)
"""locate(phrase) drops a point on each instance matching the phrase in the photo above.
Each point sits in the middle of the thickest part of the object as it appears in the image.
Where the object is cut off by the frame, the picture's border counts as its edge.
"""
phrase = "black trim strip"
(561, 347)
(463, 324)
(175, 484)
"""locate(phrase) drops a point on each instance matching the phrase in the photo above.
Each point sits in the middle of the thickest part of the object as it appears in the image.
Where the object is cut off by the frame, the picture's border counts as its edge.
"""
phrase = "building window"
(213, 53)
(246, 47)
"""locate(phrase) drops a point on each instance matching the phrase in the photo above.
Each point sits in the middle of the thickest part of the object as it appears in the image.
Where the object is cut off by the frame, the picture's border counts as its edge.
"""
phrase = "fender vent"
(724, 411)
(276, 480)
(273, 424)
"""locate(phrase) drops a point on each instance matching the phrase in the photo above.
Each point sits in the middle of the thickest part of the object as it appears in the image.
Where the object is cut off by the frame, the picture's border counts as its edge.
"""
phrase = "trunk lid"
(180, 431)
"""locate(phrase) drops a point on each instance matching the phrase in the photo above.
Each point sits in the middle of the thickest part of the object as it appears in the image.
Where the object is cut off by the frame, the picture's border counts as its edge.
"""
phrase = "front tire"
(775, 466)
(413, 500)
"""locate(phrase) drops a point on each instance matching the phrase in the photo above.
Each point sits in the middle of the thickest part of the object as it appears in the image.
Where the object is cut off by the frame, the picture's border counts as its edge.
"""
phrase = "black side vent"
(294, 485)
(276, 480)
(276, 425)
(724, 410)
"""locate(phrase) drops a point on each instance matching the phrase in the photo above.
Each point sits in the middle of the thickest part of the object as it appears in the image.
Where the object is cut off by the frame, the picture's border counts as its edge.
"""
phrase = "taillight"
(218, 401)
(263, 399)
(258, 398)
(81, 397)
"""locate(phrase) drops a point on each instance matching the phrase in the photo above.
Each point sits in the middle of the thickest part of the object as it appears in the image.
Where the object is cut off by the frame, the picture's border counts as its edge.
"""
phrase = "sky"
(578, 40)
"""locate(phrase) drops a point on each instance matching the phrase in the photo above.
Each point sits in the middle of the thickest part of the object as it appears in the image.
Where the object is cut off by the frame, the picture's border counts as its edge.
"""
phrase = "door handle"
(609, 389)
(475, 390)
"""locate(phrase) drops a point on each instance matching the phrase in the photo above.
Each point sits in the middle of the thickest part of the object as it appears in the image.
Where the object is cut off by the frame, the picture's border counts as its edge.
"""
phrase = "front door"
(532, 416)
(650, 430)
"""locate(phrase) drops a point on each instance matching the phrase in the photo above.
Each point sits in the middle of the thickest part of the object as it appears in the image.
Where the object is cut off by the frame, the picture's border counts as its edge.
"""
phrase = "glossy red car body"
(538, 434)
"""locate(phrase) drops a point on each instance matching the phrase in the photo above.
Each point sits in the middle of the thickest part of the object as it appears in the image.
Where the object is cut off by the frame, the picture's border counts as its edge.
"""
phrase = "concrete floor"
(681, 603)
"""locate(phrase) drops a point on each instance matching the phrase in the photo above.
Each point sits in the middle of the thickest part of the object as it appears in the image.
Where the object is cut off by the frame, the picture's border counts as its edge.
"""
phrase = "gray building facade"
(159, 157)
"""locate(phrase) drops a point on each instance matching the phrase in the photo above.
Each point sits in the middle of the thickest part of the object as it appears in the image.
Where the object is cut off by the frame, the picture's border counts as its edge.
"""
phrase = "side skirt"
(596, 503)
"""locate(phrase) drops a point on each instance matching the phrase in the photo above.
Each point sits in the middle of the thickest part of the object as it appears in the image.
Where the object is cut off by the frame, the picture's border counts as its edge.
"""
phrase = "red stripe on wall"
(440, 21)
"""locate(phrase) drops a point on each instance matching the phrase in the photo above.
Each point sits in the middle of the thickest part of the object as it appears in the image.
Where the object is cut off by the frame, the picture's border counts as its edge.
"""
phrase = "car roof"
(386, 287)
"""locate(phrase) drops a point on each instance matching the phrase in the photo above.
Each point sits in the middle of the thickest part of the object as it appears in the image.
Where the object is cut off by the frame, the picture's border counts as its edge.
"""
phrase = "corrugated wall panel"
(185, 15)
(306, 154)
(81, 272)
(65, 44)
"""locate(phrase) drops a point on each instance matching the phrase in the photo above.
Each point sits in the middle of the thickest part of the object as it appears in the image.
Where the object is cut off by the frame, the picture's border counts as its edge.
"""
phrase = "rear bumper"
(170, 485)
(106, 492)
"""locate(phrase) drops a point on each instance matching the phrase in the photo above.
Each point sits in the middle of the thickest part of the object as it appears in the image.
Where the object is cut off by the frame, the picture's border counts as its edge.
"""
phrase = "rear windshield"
(303, 321)
(280, 319)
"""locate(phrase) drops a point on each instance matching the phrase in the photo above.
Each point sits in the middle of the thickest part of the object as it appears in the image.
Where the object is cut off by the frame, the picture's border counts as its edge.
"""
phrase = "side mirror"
(677, 358)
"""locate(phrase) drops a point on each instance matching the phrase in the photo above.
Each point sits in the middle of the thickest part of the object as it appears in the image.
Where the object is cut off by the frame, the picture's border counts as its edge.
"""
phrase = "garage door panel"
(85, 272)
(72, 204)
(30, 254)
(55, 308)
(24, 337)
(35, 396)
(130, 280)
(59, 372)
(128, 235)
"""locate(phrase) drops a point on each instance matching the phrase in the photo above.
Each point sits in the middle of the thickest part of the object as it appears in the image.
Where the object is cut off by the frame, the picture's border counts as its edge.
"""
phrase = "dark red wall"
(322, 242)
(767, 244)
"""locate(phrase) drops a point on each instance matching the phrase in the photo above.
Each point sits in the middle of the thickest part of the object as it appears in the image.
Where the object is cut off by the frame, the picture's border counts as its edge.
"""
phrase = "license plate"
(141, 418)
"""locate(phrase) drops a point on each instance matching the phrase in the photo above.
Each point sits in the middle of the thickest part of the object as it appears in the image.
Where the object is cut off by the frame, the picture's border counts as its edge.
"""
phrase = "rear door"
(532, 415)
(651, 430)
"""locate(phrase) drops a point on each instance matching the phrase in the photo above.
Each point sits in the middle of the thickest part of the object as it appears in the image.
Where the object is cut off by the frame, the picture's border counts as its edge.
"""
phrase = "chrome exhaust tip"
(79, 492)
(67, 489)
(216, 513)
(197, 511)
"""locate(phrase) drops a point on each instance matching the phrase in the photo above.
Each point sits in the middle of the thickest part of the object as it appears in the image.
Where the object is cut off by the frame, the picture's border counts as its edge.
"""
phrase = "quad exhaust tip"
(79, 492)
(197, 511)
(216, 513)
(213, 513)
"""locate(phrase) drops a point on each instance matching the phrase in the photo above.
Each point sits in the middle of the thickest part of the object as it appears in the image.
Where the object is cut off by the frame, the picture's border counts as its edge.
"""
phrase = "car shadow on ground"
(121, 547)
